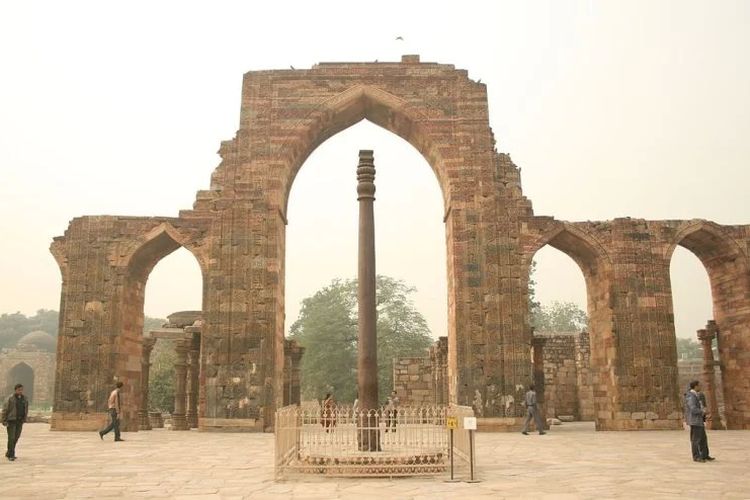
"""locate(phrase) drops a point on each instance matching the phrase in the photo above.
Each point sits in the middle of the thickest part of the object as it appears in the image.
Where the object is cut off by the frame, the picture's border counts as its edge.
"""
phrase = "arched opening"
(321, 235)
(21, 374)
(560, 321)
(358, 103)
(692, 307)
(726, 265)
(164, 277)
(592, 363)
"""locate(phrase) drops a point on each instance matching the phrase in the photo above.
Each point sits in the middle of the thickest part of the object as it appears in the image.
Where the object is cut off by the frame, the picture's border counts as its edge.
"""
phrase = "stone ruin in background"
(236, 231)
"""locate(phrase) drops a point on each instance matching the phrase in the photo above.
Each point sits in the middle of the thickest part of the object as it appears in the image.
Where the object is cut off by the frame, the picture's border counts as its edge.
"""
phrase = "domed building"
(30, 362)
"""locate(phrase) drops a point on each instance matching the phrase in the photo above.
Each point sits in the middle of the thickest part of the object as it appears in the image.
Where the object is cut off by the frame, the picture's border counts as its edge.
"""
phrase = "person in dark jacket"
(695, 414)
(14, 415)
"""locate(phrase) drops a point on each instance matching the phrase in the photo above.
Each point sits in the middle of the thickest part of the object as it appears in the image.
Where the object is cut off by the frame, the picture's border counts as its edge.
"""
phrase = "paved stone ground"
(571, 461)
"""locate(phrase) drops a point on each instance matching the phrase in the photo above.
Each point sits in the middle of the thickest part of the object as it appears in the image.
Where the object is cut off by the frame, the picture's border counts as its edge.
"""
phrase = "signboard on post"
(452, 422)
(470, 423)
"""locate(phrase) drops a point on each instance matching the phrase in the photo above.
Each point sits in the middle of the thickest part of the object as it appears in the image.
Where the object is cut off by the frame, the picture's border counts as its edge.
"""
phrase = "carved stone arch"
(584, 248)
(729, 275)
(141, 255)
(351, 106)
(708, 242)
(596, 265)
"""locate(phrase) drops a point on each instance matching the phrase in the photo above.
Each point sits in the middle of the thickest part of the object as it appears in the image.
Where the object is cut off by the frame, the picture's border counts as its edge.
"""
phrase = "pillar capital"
(705, 335)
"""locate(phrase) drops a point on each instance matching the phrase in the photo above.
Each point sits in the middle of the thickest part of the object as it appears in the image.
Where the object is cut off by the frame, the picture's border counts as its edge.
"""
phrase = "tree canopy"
(327, 329)
(16, 325)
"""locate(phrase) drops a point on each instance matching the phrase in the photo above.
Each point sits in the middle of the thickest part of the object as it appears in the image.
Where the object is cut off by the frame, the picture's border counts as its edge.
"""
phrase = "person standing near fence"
(328, 413)
(115, 410)
(532, 411)
(14, 415)
(391, 408)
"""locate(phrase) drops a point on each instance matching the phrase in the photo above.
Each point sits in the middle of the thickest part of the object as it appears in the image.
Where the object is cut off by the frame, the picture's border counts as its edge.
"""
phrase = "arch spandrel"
(709, 242)
(287, 114)
(573, 240)
(140, 254)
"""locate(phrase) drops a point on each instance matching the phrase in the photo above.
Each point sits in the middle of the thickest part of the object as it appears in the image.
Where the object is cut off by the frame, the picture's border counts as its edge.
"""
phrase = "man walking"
(695, 414)
(14, 415)
(532, 411)
(113, 405)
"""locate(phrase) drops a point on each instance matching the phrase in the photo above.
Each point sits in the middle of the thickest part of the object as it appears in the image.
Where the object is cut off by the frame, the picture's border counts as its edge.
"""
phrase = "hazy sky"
(638, 108)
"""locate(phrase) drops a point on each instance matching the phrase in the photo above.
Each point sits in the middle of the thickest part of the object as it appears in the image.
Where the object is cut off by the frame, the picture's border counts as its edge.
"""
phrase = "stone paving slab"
(571, 461)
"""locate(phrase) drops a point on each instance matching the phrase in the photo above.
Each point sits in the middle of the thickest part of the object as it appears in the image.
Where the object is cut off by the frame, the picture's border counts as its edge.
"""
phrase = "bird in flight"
(400, 38)
(291, 66)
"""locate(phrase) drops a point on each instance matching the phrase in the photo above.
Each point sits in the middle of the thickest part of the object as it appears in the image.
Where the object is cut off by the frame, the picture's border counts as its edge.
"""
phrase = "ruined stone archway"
(728, 271)
(594, 262)
(236, 230)
(140, 259)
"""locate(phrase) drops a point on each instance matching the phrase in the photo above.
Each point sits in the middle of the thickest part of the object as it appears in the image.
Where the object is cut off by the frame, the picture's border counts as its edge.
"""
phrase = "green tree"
(560, 317)
(16, 325)
(161, 377)
(555, 317)
(688, 349)
(327, 328)
(161, 374)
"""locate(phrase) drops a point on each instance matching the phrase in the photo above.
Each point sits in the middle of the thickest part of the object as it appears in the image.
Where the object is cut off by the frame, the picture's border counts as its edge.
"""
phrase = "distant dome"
(38, 340)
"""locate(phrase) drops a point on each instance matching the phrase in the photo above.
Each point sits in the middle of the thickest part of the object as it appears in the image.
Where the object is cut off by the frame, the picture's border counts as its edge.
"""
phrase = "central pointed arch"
(364, 102)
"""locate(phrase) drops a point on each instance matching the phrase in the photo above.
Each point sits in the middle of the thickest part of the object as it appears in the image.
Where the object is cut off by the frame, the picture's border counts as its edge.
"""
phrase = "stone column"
(367, 364)
(537, 344)
(147, 347)
(192, 379)
(179, 422)
(706, 337)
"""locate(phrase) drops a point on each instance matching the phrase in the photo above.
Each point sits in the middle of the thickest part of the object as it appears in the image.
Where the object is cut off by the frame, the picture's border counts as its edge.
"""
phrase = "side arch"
(728, 268)
(141, 255)
(595, 264)
(137, 262)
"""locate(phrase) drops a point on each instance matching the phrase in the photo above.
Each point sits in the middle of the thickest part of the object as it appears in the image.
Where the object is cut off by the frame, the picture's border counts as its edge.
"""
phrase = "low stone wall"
(413, 381)
(568, 389)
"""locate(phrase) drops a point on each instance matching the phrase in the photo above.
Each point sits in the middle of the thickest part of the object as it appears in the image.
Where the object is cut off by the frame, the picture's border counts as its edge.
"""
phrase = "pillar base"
(192, 420)
(145, 422)
(636, 421)
(230, 425)
(179, 423)
(156, 421)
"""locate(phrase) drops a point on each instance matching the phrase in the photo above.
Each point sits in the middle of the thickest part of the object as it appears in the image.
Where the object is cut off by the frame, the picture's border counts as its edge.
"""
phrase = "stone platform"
(571, 461)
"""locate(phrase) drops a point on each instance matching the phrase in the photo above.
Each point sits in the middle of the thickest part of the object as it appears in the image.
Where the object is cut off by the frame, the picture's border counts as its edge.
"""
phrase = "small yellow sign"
(452, 422)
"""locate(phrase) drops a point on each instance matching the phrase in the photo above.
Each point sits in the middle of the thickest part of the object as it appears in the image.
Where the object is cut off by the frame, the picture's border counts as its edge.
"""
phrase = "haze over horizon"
(637, 109)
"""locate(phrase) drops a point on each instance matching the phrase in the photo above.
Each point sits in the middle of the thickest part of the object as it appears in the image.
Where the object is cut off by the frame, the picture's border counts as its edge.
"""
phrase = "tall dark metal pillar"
(367, 364)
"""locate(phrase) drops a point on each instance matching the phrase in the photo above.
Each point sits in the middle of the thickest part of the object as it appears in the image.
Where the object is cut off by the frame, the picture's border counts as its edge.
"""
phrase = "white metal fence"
(341, 442)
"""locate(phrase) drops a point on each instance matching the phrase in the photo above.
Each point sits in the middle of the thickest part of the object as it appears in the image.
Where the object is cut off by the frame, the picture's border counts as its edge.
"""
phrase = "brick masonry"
(236, 231)
(39, 363)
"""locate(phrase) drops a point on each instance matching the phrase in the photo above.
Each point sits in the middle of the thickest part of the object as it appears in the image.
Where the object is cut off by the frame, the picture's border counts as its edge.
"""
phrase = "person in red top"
(115, 410)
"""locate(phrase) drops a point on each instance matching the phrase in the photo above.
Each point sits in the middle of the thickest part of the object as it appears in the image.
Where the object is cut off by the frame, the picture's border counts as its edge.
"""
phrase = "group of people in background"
(328, 411)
